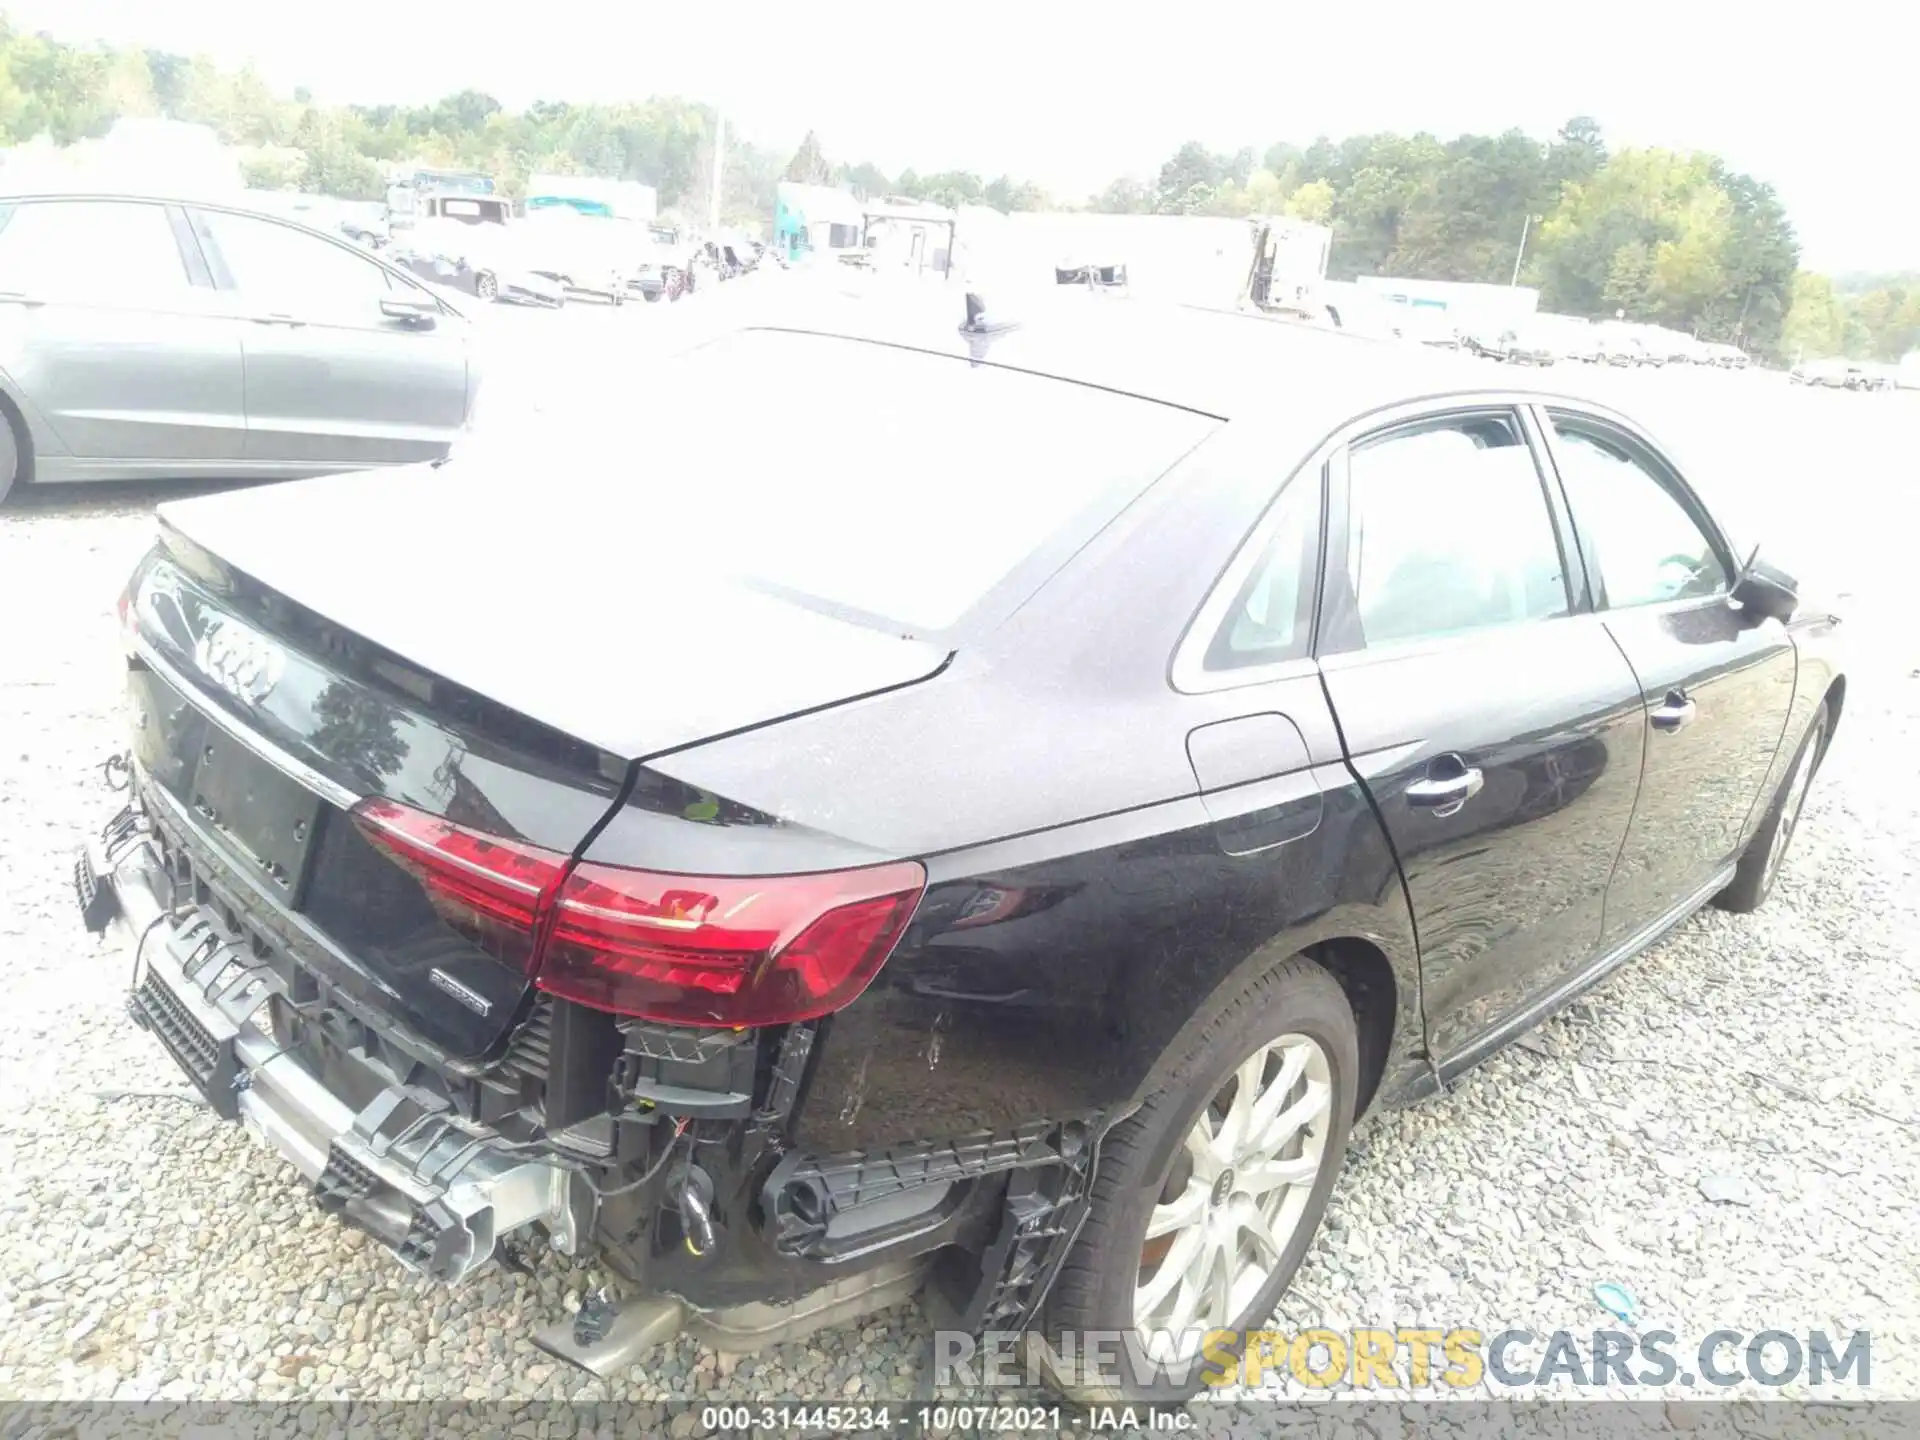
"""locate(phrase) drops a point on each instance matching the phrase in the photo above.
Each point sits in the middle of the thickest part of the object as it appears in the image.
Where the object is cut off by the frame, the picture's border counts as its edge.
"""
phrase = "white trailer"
(1216, 261)
(593, 195)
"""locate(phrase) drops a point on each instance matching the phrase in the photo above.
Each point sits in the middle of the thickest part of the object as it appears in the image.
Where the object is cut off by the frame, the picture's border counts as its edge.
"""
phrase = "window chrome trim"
(1390, 650)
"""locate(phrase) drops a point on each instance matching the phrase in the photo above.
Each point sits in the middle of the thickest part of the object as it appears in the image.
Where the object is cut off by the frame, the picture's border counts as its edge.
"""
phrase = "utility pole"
(719, 169)
(1525, 226)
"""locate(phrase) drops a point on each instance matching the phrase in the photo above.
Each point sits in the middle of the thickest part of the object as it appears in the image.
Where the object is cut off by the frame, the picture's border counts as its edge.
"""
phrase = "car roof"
(238, 203)
(1222, 363)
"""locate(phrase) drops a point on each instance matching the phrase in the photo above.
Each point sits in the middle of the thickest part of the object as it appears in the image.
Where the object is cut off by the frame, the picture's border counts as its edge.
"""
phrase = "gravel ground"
(146, 1249)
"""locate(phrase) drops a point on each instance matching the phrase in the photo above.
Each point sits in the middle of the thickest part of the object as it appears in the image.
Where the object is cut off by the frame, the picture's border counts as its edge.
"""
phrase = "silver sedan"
(145, 338)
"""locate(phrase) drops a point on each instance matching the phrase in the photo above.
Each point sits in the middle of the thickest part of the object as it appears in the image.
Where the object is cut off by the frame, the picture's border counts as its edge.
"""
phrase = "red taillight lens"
(750, 950)
(682, 949)
(487, 888)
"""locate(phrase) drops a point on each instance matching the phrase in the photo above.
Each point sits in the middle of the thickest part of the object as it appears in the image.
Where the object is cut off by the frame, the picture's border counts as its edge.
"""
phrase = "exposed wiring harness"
(653, 1170)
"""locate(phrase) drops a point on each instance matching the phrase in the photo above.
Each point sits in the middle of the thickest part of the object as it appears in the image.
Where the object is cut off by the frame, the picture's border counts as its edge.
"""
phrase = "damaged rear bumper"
(803, 1238)
(440, 1196)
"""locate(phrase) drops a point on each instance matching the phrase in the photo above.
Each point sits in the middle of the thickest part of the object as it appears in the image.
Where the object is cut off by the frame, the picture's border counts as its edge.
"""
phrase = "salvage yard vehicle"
(1617, 348)
(1514, 344)
(142, 338)
(469, 270)
(661, 271)
(1840, 374)
(586, 255)
(470, 243)
(1571, 338)
(1016, 899)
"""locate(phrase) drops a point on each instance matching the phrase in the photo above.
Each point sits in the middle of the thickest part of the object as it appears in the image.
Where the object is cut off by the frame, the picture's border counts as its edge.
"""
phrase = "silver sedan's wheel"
(1238, 1192)
(486, 286)
(9, 457)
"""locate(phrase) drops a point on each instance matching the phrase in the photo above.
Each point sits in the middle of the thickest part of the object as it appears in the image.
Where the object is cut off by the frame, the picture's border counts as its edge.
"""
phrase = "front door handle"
(278, 319)
(14, 297)
(1676, 711)
(1445, 792)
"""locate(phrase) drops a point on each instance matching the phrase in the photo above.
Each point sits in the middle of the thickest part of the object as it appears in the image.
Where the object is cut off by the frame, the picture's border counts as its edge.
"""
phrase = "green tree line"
(1670, 237)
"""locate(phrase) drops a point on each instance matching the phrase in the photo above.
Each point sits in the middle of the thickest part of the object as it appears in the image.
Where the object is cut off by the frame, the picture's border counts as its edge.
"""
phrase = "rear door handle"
(1445, 793)
(1677, 711)
(14, 297)
(286, 320)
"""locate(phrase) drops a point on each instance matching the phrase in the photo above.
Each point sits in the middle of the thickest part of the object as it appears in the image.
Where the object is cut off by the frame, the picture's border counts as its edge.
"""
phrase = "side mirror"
(1766, 593)
(416, 311)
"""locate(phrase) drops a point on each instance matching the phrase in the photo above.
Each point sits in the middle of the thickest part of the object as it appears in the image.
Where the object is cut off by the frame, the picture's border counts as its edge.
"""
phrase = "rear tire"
(486, 285)
(1760, 863)
(1148, 1164)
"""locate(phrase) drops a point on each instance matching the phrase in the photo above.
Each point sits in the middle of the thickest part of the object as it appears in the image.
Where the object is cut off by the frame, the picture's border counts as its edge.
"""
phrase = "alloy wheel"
(1790, 804)
(1237, 1194)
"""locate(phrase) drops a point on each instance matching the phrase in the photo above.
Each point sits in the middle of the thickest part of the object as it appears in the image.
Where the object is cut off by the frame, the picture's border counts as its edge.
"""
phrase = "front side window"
(290, 269)
(115, 250)
(1447, 532)
(1640, 545)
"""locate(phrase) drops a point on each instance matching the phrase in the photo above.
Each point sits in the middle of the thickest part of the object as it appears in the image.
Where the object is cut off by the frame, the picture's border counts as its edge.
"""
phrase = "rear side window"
(1638, 540)
(1448, 532)
(119, 250)
(1271, 616)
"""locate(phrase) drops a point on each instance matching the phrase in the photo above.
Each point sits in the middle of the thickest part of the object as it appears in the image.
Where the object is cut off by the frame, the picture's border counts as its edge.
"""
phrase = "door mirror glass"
(414, 310)
(1766, 593)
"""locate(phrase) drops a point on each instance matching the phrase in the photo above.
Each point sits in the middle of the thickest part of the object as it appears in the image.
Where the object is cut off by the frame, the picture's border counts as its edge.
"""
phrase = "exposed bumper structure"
(441, 1196)
(736, 1330)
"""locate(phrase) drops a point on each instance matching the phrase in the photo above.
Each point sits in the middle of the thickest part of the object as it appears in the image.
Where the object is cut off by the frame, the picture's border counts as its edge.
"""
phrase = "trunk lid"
(634, 644)
(284, 672)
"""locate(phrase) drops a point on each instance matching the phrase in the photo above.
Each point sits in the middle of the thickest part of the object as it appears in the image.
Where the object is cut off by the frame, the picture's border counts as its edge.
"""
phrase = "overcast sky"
(1072, 95)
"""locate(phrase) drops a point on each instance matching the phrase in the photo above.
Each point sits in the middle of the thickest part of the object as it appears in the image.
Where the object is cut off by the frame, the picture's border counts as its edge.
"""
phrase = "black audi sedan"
(985, 822)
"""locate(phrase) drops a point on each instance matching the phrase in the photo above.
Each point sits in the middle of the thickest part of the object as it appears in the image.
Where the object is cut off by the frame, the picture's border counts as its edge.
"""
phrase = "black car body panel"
(1046, 974)
(1115, 816)
(1509, 890)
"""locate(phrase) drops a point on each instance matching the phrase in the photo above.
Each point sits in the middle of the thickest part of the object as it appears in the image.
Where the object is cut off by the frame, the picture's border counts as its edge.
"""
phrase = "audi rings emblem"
(240, 661)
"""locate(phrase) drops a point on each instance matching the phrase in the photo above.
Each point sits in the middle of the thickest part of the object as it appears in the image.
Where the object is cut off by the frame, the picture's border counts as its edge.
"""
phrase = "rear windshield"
(897, 484)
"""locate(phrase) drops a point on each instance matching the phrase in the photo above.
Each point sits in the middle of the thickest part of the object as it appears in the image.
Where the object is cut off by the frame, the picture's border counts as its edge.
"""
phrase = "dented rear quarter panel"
(1049, 763)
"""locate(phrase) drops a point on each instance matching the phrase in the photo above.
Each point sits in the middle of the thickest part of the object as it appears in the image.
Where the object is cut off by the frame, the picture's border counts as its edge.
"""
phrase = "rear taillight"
(490, 890)
(752, 950)
(682, 949)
